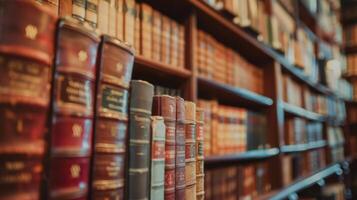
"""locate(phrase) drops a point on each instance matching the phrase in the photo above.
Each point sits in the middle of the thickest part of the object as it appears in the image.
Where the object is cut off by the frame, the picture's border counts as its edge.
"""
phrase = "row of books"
(352, 63)
(70, 129)
(299, 131)
(232, 129)
(223, 64)
(153, 34)
(302, 164)
(336, 143)
(238, 182)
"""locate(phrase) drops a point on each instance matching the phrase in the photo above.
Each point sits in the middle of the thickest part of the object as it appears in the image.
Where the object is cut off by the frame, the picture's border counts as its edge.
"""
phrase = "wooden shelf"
(220, 90)
(303, 147)
(252, 155)
(154, 71)
(301, 112)
(307, 181)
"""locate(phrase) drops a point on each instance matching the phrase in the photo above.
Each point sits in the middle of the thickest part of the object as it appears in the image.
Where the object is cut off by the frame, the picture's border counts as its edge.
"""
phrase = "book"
(200, 117)
(146, 27)
(72, 110)
(103, 16)
(129, 21)
(156, 35)
(157, 183)
(180, 149)
(78, 9)
(165, 39)
(137, 37)
(120, 20)
(190, 150)
(112, 14)
(91, 15)
(165, 106)
(114, 71)
(141, 101)
(26, 55)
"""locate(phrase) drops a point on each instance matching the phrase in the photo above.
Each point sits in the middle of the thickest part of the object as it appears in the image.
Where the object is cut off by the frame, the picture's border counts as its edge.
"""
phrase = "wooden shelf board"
(303, 147)
(247, 96)
(301, 112)
(252, 155)
(307, 181)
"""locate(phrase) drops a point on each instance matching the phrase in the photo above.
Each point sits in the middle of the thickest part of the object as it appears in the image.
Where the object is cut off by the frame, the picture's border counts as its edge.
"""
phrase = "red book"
(26, 55)
(180, 149)
(72, 110)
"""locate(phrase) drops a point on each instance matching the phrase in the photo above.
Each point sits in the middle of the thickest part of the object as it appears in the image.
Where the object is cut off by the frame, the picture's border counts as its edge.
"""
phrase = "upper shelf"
(252, 155)
(301, 112)
(303, 147)
(218, 90)
(307, 181)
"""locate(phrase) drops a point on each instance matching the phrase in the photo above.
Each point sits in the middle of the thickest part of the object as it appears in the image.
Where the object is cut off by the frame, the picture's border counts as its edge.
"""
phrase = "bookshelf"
(196, 15)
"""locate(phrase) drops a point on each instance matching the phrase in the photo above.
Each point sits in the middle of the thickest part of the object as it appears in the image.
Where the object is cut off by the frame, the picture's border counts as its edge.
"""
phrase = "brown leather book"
(165, 106)
(174, 45)
(129, 21)
(180, 149)
(72, 111)
(64, 8)
(79, 9)
(200, 116)
(103, 16)
(92, 12)
(165, 39)
(112, 14)
(26, 57)
(146, 29)
(190, 150)
(156, 35)
(141, 101)
(120, 20)
(138, 20)
(181, 46)
(115, 66)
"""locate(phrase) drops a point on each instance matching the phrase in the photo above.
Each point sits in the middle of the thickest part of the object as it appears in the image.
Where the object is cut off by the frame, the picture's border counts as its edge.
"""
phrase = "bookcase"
(268, 77)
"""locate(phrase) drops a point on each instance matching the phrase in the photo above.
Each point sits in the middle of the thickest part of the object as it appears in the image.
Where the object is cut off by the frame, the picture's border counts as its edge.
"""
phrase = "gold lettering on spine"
(77, 130)
(75, 171)
(82, 56)
(31, 32)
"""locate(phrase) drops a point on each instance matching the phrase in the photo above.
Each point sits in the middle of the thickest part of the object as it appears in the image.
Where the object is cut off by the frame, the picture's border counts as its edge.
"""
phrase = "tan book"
(92, 12)
(112, 18)
(165, 40)
(129, 21)
(181, 46)
(156, 36)
(120, 20)
(138, 36)
(79, 9)
(146, 30)
(103, 17)
(65, 8)
(174, 34)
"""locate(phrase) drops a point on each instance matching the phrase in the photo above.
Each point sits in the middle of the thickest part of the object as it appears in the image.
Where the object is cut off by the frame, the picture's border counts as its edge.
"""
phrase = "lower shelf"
(307, 181)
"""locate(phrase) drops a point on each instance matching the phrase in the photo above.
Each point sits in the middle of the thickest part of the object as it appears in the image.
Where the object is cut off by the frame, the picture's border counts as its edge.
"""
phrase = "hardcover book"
(141, 100)
(26, 57)
(72, 111)
(200, 115)
(180, 149)
(157, 158)
(165, 106)
(129, 21)
(115, 66)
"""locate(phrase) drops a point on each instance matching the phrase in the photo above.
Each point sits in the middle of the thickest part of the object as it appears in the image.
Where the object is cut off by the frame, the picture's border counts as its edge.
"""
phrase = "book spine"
(174, 47)
(26, 54)
(156, 36)
(91, 15)
(139, 139)
(103, 16)
(157, 157)
(112, 14)
(190, 150)
(120, 20)
(146, 29)
(180, 149)
(64, 8)
(79, 9)
(111, 119)
(181, 46)
(165, 39)
(129, 21)
(138, 28)
(200, 116)
(72, 111)
(165, 106)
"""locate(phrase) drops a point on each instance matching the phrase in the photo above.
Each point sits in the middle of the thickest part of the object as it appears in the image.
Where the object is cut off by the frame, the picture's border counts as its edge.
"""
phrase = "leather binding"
(91, 15)
(72, 111)
(200, 117)
(165, 106)
(79, 9)
(174, 48)
(112, 18)
(120, 20)
(190, 150)
(137, 37)
(157, 158)
(129, 21)
(180, 149)
(156, 36)
(26, 57)
(181, 46)
(103, 16)
(141, 98)
(115, 64)
(165, 39)
(146, 30)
